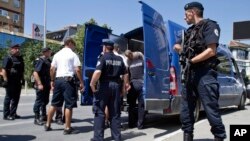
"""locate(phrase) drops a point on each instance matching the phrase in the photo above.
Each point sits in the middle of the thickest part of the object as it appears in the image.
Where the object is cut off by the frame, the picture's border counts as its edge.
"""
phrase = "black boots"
(37, 120)
(218, 139)
(188, 137)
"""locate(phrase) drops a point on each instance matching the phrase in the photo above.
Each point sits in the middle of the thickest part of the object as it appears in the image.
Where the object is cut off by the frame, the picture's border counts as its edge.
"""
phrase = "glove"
(5, 84)
(23, 82)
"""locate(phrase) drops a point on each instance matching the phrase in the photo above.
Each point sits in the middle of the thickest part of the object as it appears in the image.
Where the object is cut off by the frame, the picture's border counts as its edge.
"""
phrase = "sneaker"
(47, 128)
(70, 131)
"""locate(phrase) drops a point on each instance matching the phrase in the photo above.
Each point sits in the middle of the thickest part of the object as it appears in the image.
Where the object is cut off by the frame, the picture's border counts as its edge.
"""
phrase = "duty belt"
(66, 78)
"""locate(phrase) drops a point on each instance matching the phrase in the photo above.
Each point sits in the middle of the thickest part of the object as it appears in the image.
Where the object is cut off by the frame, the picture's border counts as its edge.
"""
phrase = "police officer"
(13, 75)
(108, 70)
(63, 66)
(200, 44)
(136, 114)
(42, 78)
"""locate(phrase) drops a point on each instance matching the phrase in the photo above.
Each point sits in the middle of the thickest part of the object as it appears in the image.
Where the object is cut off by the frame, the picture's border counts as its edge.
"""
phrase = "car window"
(224, 66)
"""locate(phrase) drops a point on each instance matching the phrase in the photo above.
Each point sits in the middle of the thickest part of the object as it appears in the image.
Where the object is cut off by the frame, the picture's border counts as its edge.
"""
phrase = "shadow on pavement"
(16, 137)
(129, 135)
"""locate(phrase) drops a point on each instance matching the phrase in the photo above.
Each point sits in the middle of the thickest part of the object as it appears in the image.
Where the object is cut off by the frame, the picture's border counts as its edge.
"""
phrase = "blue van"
(162, 86)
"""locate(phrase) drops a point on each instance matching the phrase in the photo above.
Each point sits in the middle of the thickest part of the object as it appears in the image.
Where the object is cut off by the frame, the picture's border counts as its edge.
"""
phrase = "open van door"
(156, 74)
(92, 49)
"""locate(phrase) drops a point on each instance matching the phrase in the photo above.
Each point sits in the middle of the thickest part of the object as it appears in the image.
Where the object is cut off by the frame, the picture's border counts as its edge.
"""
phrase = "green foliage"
(31, 49)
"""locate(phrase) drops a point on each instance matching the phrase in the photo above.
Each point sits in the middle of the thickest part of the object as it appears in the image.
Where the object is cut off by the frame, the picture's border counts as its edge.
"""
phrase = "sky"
(125, 15)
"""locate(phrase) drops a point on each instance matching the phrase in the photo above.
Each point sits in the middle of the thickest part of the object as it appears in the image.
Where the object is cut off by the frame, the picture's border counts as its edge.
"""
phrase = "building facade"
(241, 53)
(61, 34)
(12, 15)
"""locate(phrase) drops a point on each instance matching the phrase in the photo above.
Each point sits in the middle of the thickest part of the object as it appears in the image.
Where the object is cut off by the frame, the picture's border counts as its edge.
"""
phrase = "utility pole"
(45, 24)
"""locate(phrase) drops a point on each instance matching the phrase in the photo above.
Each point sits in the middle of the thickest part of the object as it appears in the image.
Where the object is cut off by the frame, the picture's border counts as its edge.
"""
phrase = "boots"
(43, 118)
(37, 120)
(218, 139)
(188, 137)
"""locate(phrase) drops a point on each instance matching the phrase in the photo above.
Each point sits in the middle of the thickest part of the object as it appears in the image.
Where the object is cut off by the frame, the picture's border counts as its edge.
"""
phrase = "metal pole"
(45, 24)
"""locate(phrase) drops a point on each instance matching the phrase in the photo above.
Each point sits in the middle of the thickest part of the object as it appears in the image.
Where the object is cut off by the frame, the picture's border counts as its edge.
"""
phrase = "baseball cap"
(45, 49)
(107, 42)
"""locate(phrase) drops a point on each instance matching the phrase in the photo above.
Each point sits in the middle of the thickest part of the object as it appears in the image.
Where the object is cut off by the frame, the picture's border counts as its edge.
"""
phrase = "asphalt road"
(157, 127)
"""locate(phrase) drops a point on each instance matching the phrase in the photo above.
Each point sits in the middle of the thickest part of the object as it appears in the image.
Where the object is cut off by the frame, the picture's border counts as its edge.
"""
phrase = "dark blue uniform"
(202, 82)
(111, 67)
(42, 67)
(14, 67)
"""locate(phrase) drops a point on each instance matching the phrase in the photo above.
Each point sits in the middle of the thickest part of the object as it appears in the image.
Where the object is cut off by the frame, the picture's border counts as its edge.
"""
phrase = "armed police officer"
(13, 75)
(109, 68)
(42, 85)
(199, 50)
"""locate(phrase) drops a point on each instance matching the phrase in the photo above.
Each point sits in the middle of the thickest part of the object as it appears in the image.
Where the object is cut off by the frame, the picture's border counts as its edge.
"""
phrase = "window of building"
(5, 0)
(16, 3)
(3, 13)
(15, 17)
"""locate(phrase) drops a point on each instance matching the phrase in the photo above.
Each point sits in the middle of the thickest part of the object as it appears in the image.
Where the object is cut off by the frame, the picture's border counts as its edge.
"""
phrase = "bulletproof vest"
(44, 74)
(17, 67)
(194, 42)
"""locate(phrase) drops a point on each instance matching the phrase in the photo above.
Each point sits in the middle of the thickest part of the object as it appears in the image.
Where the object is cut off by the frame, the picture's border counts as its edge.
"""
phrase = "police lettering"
(136, 65)
(113, 62)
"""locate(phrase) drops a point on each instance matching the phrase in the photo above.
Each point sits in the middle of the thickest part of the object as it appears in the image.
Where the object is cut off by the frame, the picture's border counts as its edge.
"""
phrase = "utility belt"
(206, 65)
(117, 80)
(66, 78)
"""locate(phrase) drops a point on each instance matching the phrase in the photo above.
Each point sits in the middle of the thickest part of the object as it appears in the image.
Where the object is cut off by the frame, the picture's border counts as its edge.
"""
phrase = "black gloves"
(23, 82)
(5, 84)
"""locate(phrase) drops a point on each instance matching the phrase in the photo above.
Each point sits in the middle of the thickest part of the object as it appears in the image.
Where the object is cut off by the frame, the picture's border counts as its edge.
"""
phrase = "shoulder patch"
(216, 32)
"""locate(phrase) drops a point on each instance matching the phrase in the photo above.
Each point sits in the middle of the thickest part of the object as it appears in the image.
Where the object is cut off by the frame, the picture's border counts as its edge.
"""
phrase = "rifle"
(185, 55)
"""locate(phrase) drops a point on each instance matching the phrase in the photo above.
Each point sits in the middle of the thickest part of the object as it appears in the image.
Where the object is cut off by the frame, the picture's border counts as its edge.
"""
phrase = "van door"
(156, 72)
(92, 49)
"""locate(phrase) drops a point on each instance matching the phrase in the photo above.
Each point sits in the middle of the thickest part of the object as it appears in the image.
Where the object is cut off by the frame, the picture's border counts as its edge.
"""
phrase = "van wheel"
(241, 106)
(197, 110)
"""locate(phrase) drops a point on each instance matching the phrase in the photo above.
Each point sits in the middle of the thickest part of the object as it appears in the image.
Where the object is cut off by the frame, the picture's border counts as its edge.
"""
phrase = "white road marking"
(16, 123)
(176, 132)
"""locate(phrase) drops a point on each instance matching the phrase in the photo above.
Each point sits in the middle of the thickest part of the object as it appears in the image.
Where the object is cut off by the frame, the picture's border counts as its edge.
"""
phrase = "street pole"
(45, 24)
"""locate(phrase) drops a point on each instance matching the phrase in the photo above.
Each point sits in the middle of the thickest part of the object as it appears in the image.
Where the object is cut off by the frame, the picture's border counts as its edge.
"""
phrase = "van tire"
(197, 110)
(241, 106)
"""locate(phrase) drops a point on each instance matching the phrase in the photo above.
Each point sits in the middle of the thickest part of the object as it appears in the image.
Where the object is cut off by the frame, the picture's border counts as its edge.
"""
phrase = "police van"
(162, 85)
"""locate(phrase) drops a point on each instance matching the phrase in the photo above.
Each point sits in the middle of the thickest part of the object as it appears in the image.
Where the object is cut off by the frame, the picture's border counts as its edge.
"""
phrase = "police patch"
(98, 63)
(216, 32)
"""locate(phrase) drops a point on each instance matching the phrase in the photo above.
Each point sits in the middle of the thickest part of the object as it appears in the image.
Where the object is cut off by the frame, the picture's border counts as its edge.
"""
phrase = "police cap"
(107, 42)
(45, 49)
(194, 4)
(14, 45)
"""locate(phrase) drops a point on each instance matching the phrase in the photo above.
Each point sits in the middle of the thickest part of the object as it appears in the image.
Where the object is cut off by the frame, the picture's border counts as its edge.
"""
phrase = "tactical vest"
(17, 68)
(194, 43)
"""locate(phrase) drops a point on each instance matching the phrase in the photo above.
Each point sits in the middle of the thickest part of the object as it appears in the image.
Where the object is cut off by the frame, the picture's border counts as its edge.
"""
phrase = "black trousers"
(136, 113)
(42, 99)
(11, 100)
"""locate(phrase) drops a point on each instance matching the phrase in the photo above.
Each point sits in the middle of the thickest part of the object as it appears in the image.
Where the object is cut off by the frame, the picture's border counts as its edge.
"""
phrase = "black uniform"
(111, 67)
(202, 81)
(14, 67)
(42, 67)
(136, 114)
